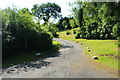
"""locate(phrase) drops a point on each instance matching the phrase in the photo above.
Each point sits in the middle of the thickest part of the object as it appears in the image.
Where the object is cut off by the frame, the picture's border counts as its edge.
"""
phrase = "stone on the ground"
(15, 66)
(81, 43)
(95, 57)
(12, 64)
(87, 47)
(38, 54)
(57, 47)
(88, 50)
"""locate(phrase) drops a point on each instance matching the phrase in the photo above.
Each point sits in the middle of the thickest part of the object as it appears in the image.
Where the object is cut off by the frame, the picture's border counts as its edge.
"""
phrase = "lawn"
(28, 56)
(106, 50)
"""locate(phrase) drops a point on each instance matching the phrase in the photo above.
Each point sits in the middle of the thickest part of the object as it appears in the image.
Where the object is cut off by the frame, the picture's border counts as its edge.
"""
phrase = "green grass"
(109, 61)
(101, 47)
(106, 50)
(57, 44)
(20, 58)
(28, 56)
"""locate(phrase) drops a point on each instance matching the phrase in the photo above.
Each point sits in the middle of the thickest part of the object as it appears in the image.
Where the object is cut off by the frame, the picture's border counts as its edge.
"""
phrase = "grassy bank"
(28, 56)
(106, 50)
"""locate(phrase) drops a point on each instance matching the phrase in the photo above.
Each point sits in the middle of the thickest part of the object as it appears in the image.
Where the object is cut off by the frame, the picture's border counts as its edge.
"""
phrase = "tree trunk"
(25, 45)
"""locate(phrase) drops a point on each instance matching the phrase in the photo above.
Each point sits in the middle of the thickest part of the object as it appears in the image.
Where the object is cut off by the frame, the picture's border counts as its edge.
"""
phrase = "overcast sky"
(29, 4)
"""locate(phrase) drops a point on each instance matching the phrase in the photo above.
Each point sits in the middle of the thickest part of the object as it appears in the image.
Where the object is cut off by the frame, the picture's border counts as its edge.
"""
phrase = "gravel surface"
(69, 62)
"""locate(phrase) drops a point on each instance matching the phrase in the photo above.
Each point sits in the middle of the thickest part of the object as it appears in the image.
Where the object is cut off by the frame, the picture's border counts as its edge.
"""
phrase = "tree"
(24, 10)
(46, 11)
(97, 20)
(20, 33)
(50, 10)
(73, 23)
(26, 24)
(64, 23)
(37, 12)
(80, 17)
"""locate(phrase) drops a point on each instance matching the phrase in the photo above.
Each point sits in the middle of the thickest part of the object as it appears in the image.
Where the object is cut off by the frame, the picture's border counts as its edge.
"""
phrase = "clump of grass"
(56, 44)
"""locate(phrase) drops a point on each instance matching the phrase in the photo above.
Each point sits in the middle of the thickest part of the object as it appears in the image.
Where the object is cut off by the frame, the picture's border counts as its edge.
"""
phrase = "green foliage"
(98, 47)
(97, 20)
(118, 41)
(20, 33)
(25, 10)
(116, 30)
(80, 17)
(65, 24)
(73, 23)
(68, 32)
(74, 31)
(77, 36)
(51, 28)
(42, 41)
(57, 45)
(46, 11)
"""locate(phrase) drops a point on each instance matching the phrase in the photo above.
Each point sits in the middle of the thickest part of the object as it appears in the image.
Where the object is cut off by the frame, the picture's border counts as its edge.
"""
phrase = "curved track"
(69, 62)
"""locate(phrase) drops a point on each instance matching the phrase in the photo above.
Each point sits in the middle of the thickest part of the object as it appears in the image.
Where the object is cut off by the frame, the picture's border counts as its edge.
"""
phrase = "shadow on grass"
(38, 63)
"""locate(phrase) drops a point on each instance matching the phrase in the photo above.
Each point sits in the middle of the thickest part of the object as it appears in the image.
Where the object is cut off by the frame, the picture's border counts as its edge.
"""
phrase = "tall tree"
(25, 10)
(37, 12)
(50, 10)
(46, 11)
(101, 19)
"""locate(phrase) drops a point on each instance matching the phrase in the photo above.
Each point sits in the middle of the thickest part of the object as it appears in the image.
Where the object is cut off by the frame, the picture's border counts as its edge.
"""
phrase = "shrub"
(68, 33)
(42, 41)
(74, 31)
(20, 33)
(77, 36)
(56, 35)
(118, 41)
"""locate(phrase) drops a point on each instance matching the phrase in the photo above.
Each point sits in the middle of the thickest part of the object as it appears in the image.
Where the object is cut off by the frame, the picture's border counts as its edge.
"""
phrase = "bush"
(74, 31)
(56, 35)
(42, 41)
(68, 33)
(20, 34)
(118, 41)
(77, 36)
(56, 45)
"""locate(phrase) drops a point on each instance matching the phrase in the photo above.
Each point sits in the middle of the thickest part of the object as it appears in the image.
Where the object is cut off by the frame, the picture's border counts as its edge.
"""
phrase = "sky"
(65, 9)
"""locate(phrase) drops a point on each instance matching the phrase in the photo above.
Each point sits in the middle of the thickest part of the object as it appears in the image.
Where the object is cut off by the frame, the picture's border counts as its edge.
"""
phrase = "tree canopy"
(46, 11)
(20, 33)
(97, 20)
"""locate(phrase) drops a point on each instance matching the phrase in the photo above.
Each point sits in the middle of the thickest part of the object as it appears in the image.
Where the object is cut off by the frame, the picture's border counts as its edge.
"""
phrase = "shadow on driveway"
(37, 64)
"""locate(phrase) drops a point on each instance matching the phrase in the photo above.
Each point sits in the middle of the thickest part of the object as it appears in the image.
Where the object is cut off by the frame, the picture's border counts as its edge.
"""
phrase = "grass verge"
(28, 56)
(106, 50)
